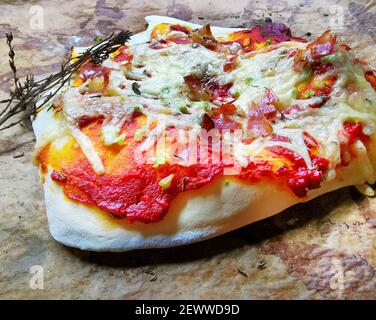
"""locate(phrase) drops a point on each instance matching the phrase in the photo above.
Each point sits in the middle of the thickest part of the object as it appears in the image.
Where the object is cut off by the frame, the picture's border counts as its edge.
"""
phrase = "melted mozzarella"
(271, 69)
(159, 75)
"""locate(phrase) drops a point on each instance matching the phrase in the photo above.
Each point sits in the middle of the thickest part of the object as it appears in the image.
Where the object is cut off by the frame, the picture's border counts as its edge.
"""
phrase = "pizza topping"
(293, 109)
(309, 140)
(320, 163)
(58, 177)
(207, 89)
(322, 46)
(223, 121)
(180, 28)
(122, 55)
(166, 182)
(292, 103)
(90, 71)
(207, 122)
(304, 180)
(204, 37)
(277, 137)
(258, 124)
(230, 64)
(85, 120)
(371, 78)
(111, 136)
(354, 132)
(197, 89)
(88, 148)
(260, 114)
(183, 40)
(136, 88)
(261, 36)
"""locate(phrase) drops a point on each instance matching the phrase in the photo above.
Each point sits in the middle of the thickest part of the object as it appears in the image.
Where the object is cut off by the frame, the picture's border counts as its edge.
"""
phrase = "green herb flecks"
(183, 109)
(136, 88)
(309, 94)
(307, 74)
(295, 93)
(248, 80)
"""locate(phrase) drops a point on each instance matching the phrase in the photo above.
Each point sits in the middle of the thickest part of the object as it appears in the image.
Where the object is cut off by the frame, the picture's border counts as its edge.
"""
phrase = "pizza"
(187, 132)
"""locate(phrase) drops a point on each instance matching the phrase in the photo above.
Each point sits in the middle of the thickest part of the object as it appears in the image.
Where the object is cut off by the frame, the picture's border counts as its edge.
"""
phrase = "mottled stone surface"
(320, 250)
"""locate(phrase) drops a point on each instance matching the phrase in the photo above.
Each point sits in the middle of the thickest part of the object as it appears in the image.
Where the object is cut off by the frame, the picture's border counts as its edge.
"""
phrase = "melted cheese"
(159, 75)
(271, 69)
(88, 149)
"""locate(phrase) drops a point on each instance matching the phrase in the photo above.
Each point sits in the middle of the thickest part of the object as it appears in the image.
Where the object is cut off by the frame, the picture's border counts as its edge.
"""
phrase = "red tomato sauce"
(354, 131)
(133, 191)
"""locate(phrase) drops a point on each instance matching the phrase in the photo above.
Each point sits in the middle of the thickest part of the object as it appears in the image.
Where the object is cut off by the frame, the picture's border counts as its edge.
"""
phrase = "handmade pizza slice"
(188, 132)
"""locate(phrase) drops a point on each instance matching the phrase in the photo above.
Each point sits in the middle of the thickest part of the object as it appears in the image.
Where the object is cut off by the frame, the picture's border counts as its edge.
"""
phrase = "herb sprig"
(22, 101)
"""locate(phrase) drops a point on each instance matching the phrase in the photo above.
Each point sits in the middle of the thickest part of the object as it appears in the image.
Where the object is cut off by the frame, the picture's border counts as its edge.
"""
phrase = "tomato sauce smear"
(133, 190)
(136, 193)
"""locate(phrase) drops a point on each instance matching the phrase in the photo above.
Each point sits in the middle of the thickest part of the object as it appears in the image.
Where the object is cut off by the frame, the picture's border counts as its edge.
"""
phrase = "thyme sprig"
(22, 101)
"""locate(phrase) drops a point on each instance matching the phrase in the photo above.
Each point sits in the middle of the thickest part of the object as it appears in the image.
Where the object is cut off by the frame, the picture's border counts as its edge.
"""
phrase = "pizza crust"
(223, 205)
(193, 216)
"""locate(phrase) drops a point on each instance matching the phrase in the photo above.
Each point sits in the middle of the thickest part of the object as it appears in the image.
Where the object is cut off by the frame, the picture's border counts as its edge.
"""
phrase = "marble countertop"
(319, 250)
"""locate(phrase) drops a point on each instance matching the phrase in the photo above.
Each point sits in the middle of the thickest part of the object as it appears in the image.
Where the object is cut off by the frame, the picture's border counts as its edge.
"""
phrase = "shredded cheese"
(161, 96)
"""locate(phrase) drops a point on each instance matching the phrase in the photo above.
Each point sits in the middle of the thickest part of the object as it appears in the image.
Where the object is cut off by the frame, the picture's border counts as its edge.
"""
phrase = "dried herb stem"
(27, 97)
